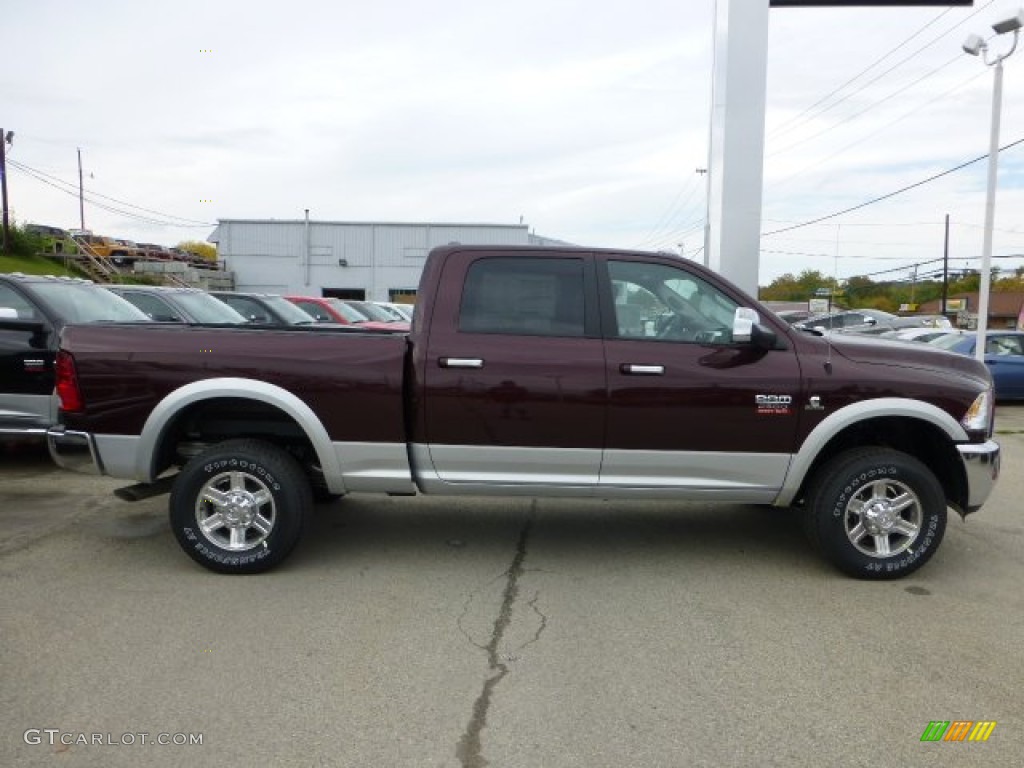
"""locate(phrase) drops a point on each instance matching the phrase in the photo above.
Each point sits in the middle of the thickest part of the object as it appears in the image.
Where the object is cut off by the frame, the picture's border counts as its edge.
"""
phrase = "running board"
(141, 491)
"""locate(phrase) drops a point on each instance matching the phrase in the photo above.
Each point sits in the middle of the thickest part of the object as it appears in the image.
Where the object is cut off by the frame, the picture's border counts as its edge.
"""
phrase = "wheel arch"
(913, 427)
(155, 451)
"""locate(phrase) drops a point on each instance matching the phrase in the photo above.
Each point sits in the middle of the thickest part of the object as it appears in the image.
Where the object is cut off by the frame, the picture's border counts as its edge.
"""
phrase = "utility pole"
(81, 192)
(945, 268)
(5, 139)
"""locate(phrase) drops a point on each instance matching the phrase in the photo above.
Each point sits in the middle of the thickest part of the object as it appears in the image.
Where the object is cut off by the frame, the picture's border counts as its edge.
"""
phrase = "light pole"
(975, 45)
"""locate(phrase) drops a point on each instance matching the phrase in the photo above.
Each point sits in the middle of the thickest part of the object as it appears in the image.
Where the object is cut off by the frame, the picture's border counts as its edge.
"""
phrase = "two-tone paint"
(452, 412)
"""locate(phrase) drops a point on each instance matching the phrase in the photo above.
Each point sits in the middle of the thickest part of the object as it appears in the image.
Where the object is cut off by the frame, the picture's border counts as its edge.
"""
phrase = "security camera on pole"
(975, 45)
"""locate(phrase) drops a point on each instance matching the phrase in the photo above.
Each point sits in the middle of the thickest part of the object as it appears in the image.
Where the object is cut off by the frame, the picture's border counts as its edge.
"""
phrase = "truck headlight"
(979, 416)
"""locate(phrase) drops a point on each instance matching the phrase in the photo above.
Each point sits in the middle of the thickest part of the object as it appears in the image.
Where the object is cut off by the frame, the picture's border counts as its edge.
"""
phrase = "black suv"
(33, 309)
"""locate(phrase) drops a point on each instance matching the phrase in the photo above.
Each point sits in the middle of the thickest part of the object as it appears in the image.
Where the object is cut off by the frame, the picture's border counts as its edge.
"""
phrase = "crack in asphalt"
(469, 750)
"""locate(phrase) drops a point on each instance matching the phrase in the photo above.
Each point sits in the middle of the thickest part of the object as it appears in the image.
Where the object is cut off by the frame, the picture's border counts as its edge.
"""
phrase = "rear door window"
(524, 296)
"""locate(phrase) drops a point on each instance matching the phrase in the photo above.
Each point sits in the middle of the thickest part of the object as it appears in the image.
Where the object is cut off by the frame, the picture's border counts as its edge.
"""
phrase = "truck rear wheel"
(875, 513)
(240, 506)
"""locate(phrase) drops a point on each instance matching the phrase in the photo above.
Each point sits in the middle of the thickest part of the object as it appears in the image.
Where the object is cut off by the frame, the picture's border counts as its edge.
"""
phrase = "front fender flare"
(849, 415)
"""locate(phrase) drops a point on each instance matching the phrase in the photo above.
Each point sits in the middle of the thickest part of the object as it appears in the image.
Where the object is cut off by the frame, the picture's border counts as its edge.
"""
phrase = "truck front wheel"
(240, 506)
(875, 513)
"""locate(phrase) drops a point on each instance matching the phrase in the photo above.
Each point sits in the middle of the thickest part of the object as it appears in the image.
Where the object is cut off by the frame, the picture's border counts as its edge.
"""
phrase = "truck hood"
(905, 354)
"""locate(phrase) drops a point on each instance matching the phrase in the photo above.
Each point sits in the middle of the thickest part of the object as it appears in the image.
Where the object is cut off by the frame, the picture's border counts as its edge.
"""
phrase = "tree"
(206, 251)
(799, 288)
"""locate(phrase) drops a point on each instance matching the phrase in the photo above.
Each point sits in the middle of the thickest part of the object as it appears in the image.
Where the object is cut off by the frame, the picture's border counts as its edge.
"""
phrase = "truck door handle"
(460, 362)
(642, 370)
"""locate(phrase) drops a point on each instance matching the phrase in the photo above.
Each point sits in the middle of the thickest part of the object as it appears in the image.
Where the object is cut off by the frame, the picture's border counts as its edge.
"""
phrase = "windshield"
(288, 312)
(206, 309)
(347, 311)
(87, 303)
(949, 340)
(372, 311)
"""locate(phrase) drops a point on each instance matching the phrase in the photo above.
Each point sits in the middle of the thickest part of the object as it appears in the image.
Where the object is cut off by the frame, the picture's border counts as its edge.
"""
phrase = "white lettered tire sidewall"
(850, 477)
(271, 475)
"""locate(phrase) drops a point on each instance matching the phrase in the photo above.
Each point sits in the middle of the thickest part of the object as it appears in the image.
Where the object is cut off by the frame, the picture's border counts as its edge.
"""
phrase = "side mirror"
(747, 329)
(743, 322)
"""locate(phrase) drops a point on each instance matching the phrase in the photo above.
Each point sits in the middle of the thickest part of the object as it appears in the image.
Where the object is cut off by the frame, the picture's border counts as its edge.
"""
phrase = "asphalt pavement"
(470, 632)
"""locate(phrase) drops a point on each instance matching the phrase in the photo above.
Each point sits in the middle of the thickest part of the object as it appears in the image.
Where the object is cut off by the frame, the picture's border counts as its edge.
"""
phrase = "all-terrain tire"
(875, 513)
(240, 506)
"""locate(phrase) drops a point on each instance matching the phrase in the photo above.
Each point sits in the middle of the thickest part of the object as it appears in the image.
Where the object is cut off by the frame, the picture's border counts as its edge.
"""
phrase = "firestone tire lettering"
(276, 470)
(839, 482)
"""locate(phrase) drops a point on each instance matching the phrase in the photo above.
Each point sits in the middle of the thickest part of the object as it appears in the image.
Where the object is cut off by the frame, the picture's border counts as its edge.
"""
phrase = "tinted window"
(204, 308)
(85, 303)
(346, 311)
(11, 299)
(249, 309)
(658, 301)
(315, 311)
(524, 296)
(372, 311)
(288, 312)
(158, 309)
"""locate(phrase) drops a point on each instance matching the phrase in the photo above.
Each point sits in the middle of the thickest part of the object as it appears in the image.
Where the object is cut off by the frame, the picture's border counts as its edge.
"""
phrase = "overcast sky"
(588, 120)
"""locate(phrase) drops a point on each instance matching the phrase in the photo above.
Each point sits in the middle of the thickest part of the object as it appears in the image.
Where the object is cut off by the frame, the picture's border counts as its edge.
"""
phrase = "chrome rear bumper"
(74, 450)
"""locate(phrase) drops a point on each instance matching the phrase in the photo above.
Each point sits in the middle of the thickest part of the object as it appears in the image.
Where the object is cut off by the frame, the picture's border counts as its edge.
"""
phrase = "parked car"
(870, 321)
(33, 310)
(154, 252)
(378, 315)
(100, 246)
(178, 305)
(126, 252)
(847, 318)
(792, 316)
(328, 310)
(1004, 356)
(264, 308)
(402, 312)
(924, 333)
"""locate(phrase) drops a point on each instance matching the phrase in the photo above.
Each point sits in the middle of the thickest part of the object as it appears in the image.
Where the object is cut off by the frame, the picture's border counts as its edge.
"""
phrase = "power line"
(853, 79)
(890, 69)
(855, 115)
(70, 189)
(862, 139)
(891, 194)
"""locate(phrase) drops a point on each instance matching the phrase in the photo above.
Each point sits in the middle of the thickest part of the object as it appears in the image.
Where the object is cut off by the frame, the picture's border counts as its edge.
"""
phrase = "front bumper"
(981, 467)
(74, 450)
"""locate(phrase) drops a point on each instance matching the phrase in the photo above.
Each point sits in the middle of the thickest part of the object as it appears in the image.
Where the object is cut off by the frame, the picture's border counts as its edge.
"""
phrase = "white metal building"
(380, 261)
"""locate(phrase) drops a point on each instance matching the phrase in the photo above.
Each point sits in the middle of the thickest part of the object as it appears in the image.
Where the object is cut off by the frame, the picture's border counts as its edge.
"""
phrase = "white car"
(924, 334)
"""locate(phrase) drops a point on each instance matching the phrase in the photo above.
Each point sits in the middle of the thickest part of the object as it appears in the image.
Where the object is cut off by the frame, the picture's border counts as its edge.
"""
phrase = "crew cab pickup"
(534, 372)
(33, 309)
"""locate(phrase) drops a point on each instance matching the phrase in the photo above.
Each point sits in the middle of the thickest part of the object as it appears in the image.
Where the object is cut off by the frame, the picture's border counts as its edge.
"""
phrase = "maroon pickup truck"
(558, 372)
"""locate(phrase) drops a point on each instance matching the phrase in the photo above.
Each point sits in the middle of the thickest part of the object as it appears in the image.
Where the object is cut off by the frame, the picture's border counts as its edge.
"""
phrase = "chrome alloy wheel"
(235, 511)
(883, 518)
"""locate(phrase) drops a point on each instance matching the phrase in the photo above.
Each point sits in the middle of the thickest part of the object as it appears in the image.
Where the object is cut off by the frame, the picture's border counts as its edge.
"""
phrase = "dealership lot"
(415, 632)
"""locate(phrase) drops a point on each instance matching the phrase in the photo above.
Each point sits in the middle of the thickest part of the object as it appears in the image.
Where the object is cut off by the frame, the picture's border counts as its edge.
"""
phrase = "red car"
(329, 310)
